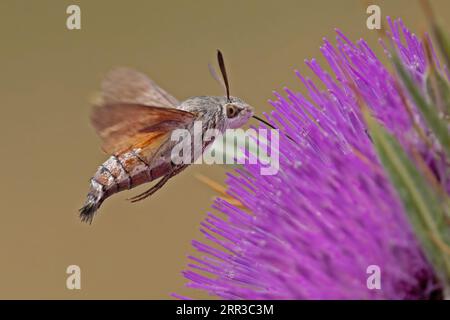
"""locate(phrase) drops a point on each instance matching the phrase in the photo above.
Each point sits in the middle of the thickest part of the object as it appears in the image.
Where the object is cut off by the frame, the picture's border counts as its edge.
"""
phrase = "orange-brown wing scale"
(124, 126)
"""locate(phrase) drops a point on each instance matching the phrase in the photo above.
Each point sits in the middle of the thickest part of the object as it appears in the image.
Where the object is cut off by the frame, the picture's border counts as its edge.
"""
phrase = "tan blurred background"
(49, 151)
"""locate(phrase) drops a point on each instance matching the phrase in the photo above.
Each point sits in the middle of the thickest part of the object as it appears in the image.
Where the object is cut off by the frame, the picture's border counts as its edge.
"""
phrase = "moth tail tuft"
(87, 212)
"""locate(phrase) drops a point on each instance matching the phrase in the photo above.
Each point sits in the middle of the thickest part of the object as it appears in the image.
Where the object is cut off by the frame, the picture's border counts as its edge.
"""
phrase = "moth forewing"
(124, 85)
(126, 125)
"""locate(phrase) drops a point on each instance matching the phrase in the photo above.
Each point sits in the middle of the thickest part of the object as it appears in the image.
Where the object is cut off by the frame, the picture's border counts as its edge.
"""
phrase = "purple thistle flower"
(312, 230)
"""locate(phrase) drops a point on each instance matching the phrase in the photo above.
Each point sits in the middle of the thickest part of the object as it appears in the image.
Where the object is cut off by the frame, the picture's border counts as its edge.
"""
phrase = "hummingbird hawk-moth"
(134, 121)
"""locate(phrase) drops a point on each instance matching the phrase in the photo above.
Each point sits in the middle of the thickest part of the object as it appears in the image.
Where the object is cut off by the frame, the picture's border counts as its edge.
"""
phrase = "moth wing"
(124, 85)
(148, 142)
(124, 126)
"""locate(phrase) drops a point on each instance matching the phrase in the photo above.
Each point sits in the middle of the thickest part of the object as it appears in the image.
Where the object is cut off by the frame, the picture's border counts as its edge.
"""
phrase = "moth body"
(135, 119)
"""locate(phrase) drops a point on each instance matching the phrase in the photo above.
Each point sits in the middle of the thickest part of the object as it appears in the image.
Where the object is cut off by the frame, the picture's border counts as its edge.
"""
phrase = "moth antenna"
(216, 77)
(224, 73)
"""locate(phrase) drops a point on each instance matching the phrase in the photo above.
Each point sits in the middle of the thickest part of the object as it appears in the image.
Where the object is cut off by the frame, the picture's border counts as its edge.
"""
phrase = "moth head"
(236, 112)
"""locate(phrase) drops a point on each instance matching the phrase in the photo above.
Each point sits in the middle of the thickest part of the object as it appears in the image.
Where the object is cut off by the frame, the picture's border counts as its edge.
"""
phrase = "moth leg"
(152, 190)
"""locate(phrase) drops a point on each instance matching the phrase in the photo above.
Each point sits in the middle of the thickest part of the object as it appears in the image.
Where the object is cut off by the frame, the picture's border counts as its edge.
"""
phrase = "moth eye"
(232, 111)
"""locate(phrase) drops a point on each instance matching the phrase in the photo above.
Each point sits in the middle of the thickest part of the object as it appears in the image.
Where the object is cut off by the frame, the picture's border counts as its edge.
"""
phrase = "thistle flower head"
(315, 230)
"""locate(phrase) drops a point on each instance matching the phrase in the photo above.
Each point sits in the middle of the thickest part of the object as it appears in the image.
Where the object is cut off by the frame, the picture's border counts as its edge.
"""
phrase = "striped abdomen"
(118, 173)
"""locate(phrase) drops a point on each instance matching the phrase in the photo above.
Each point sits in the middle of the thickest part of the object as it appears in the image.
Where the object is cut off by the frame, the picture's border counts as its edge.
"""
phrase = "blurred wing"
(124, 126)
(123, 85)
